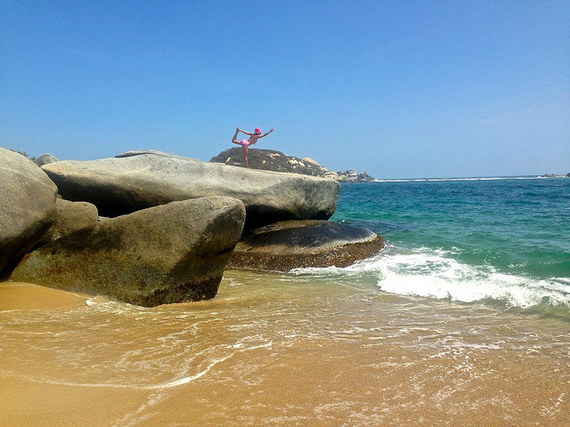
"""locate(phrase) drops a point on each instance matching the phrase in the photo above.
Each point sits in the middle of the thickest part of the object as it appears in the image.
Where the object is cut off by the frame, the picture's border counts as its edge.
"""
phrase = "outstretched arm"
(265, 134)
(243, 131)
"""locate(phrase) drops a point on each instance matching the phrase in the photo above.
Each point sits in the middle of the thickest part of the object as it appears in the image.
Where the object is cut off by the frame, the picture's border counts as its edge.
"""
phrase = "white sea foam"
(436, 274)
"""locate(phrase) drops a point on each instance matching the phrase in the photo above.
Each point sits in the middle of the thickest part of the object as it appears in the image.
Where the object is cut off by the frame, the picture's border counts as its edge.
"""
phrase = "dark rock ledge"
(287, 245)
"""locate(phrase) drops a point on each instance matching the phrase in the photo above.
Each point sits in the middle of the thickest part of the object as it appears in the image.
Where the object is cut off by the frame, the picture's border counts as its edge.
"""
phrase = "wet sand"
(276, 349)
(26, 296)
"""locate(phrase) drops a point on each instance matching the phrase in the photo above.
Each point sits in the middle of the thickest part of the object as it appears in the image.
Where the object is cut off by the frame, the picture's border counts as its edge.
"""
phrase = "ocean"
(463, 319)
(501, 240)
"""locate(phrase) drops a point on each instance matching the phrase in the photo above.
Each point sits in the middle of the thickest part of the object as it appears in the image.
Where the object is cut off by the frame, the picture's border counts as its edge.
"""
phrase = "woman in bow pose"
(245, 143)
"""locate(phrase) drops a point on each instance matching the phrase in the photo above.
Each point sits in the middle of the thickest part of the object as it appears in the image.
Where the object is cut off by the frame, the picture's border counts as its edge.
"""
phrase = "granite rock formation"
(134, 181)
(166, 254)
(27, 206)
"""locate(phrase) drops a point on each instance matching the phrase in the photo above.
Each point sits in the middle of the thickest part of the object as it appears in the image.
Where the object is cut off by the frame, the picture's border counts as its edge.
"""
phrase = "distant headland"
(277, 161)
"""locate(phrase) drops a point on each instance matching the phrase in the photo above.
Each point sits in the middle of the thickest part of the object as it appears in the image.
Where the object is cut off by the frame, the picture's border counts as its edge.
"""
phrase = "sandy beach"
(272, 350)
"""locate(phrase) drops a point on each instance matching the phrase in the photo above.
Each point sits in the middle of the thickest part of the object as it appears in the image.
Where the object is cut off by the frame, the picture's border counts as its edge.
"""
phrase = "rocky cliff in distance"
(276, 161)
(555, 175)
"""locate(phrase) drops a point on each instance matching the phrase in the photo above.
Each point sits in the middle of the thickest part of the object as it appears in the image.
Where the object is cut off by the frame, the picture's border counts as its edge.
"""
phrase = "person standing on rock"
(245, 143)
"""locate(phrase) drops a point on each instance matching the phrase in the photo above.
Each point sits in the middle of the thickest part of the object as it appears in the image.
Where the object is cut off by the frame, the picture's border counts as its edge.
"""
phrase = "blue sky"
(394, 88)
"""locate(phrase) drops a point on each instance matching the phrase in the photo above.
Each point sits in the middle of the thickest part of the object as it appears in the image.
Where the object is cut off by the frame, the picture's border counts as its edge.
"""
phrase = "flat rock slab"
(138, 180)
(166, 254)
(287, 245)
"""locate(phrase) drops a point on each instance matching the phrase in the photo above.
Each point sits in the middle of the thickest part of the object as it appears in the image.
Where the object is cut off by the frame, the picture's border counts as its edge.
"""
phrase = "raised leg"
(234, 139)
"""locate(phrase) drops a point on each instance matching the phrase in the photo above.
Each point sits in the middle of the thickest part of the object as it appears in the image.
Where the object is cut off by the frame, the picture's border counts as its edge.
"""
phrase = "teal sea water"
(498, 240)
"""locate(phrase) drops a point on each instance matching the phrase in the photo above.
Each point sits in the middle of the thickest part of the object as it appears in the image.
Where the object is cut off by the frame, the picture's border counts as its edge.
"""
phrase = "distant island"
(277, 161)
(553, 175)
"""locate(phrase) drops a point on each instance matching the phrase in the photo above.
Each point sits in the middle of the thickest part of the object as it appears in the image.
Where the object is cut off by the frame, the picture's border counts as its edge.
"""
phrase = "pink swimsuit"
(247, 142)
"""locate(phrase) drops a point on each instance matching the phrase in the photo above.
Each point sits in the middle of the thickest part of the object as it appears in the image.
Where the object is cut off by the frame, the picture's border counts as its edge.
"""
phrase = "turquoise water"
(501, 240)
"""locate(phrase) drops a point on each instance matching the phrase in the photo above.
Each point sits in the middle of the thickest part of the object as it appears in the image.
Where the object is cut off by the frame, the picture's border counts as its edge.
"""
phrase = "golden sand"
(271, 351)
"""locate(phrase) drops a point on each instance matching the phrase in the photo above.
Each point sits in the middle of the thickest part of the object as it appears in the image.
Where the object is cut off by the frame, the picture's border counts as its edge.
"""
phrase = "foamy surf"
(430, 273)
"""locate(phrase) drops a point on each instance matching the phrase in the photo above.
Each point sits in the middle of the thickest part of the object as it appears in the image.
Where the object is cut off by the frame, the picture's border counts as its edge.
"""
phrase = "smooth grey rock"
(287, 245)
(27, 206)
(133, 153)
(166, 254)
(70, 217)
(139, 180)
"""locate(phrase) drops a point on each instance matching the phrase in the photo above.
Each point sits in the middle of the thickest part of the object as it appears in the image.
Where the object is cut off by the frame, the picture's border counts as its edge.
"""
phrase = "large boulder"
(70, 217)
(287, 245)
(27, 206)
(139, 180)
(171, 253)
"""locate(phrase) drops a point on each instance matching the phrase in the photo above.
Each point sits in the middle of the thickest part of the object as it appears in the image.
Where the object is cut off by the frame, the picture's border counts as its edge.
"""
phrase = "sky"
(399, 89)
